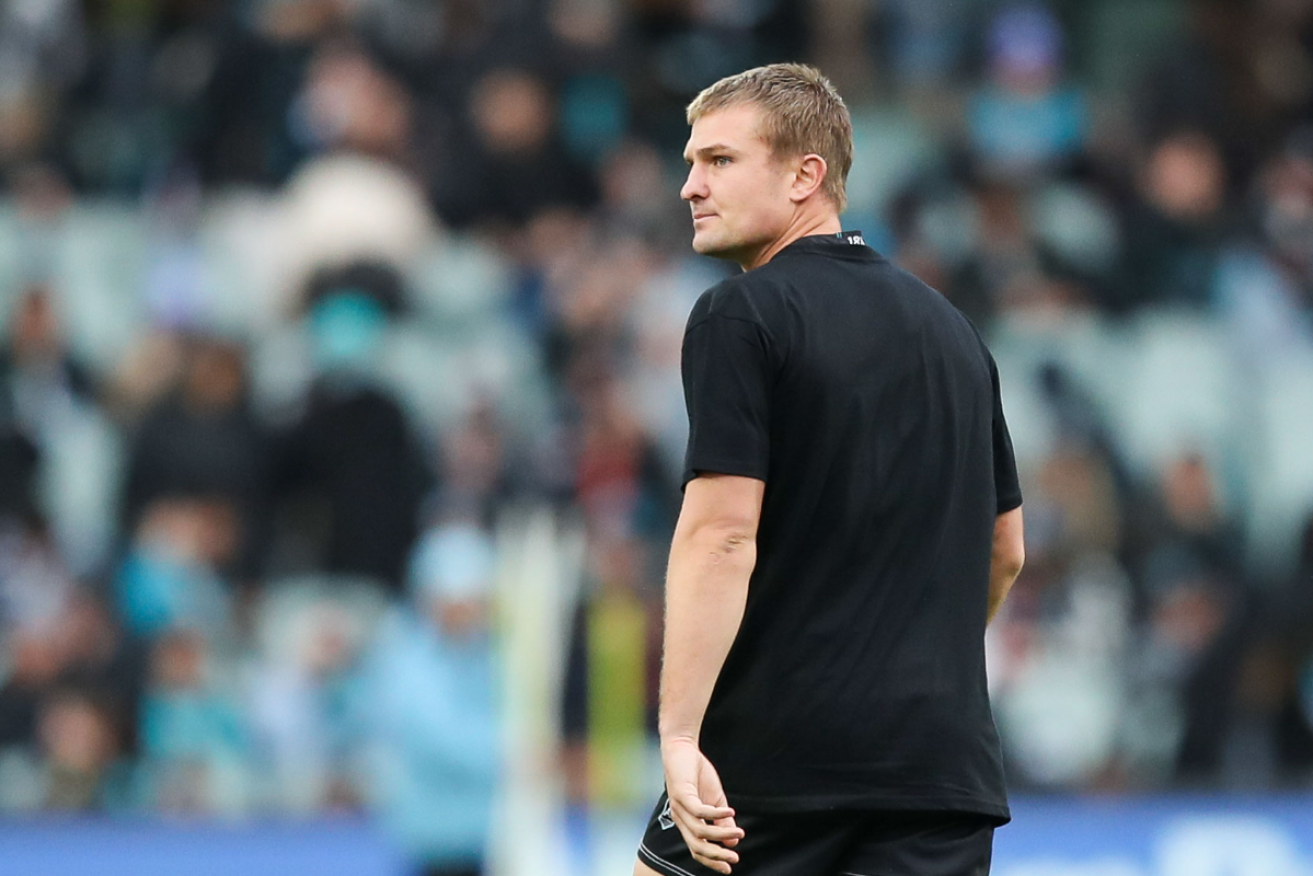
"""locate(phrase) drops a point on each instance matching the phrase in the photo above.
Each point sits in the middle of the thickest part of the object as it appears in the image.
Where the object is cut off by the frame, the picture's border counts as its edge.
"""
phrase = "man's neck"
(802, 226)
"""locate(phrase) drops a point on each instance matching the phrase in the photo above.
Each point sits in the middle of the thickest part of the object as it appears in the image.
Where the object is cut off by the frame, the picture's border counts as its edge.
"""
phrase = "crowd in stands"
(300, 297)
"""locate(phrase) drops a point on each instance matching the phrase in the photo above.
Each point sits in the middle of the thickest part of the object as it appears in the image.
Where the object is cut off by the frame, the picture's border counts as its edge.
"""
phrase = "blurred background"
(341, 423)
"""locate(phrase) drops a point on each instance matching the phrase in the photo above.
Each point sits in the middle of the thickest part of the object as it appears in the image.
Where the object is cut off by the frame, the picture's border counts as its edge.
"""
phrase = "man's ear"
(808, 177)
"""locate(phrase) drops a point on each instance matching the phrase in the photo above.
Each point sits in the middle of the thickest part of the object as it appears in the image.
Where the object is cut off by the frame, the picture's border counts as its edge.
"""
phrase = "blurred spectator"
(636, 195)
(411, 30)
(1026, 119)
(1287, 214)
(202, 441)
(42, 198)
(243, 70)
(350, 458)
(928, 42)
(622, 486)
(1060, 646)
(344, 208)
(374, 282)
(73, 687)
(41, 378)
(1009, 269)
(300, 709)
(193, 742)
(33, 666)
(1265, 283)
(1061, 705)
(349, 103)
(611, 680)
(514, 166)
(1194, 85)
(68, 711)
(20, 458)
(55, 444)
(652, 383)
(1188, 518)
(1195, 644)
(35, 584)
(549, 255)
(177, 294)
(40, 46)
(1174, 230)
(431, 701)
(171, 575)
(149, 372)
(99, 656)
(626, 494)
(473, 472)
(81, 748)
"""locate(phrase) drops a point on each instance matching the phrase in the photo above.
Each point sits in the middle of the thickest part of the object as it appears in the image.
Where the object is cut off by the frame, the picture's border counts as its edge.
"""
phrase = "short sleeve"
(726, 366)
(1007, 486)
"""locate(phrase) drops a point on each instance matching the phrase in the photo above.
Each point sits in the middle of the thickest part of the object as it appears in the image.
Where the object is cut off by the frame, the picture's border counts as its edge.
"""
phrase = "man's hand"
(698, 805)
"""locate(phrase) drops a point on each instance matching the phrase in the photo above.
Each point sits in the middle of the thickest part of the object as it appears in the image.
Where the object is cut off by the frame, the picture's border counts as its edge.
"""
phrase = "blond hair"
(802, 113)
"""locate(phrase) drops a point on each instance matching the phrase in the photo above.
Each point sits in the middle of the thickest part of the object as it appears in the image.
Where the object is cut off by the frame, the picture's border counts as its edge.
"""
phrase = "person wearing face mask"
(431, 711)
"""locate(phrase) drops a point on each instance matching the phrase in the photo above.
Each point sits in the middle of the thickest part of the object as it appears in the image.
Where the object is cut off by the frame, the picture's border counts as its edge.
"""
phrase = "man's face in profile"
(737, 189)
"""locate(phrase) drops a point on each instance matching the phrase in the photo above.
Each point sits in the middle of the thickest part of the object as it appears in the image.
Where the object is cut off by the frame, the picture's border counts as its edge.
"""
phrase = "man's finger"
(698, 809)
(718, 866)
(687, 824)
(719, 831)
(706, 853)
(715, 833)
(699, 830)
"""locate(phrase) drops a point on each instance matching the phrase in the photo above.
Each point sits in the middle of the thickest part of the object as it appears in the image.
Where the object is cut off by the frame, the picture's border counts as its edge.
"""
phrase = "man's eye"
(720, 160)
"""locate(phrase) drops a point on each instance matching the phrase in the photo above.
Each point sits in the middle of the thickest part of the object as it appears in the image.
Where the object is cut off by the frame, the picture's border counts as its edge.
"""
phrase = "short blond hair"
(802, 113)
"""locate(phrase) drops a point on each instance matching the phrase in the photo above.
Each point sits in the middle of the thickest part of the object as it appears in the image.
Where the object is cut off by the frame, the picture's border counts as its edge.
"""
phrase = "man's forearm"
(1001, 579)
(706, 591)
(1009, 555)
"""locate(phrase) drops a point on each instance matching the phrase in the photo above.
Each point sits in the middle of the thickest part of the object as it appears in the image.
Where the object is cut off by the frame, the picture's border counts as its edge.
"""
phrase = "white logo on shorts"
(665, 819)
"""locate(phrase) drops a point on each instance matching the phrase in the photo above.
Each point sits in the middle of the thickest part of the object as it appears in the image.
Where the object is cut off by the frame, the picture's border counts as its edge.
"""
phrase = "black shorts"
(836, 843)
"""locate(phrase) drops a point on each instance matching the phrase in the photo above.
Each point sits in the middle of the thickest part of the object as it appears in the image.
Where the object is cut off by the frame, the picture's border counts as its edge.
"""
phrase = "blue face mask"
(346, 330)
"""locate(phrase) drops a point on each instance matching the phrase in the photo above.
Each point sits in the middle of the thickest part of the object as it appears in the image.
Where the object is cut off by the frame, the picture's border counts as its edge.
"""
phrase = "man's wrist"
(678, 737)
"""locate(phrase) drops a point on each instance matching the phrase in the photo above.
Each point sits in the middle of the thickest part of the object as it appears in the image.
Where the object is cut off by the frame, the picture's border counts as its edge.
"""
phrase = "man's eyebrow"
(713, 149)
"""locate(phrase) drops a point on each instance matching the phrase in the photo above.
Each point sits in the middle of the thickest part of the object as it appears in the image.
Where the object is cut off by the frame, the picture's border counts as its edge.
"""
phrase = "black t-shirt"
(870, 408)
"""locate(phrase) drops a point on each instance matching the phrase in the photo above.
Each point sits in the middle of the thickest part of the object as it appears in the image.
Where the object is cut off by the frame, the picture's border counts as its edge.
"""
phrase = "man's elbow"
(1013, 562)
(1009, 554)
(720, 514)
(727, 538)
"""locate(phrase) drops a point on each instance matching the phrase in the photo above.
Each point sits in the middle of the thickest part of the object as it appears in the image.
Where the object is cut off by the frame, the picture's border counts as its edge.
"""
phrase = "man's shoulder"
(737, 297)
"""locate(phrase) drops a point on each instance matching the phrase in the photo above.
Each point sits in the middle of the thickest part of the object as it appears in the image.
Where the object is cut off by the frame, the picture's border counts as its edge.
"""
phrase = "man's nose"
(694, 186)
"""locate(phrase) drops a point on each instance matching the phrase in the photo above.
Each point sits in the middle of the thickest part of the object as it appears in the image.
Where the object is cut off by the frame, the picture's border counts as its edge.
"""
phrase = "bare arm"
(1008, 557)
(712, 556)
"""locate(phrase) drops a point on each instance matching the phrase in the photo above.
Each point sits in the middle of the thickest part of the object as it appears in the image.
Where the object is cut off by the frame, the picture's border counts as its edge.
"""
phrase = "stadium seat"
(100, 268)
(459, 280)
(1179, 392)
(240, 238)
(79, 485)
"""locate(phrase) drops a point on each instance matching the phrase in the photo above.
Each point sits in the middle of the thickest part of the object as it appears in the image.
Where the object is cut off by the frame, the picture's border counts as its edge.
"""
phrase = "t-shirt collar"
(839, 243)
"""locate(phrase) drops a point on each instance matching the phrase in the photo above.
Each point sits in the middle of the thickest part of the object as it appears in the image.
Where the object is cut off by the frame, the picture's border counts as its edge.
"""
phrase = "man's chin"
(707, 245)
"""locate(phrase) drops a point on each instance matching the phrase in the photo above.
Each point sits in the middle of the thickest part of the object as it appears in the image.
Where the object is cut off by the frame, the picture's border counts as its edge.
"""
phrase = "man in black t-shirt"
(851, 520)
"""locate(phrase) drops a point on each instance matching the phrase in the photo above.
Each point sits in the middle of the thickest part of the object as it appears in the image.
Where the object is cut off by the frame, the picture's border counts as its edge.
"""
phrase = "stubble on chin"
(708, 245)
